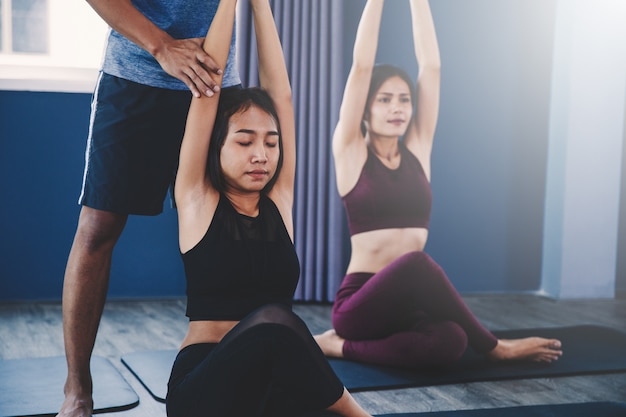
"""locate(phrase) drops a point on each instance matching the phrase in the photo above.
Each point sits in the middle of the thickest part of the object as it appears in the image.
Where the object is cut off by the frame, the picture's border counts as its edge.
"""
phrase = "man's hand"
(186, 60)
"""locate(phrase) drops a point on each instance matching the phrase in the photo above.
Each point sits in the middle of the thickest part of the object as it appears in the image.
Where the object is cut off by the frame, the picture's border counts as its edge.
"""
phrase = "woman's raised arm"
(275, 80)
(192, 184)
(191, 179)
(419, 138)
(348, 145)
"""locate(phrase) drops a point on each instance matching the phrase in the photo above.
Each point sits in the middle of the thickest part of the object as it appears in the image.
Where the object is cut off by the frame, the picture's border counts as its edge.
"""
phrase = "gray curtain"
(312, 38)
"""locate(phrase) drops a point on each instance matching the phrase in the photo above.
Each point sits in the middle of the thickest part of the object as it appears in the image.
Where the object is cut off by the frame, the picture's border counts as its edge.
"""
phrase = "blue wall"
(42, 142)
(489, 162)
(489, 158)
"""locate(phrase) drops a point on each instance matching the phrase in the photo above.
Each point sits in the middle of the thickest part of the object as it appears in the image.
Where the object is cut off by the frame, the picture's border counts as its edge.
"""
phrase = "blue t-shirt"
(181, 19)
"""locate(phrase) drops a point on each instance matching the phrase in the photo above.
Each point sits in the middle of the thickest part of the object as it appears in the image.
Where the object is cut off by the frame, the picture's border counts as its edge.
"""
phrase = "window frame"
(76, 39)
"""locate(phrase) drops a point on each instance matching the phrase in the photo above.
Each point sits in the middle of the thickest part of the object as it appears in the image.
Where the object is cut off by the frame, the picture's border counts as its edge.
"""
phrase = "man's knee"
(98, 229)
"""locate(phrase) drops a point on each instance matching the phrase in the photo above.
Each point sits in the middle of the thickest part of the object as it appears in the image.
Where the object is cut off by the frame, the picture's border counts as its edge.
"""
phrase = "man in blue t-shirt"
(153, 59)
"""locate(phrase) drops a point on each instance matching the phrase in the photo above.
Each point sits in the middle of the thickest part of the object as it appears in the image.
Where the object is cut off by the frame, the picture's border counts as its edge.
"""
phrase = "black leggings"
(267, 365)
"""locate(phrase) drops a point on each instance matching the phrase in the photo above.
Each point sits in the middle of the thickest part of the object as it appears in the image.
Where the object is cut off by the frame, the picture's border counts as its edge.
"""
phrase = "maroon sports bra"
(385, 198)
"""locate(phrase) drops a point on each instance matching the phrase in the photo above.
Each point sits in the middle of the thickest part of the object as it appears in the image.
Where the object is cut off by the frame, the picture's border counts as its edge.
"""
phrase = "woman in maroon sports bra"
(395, 305)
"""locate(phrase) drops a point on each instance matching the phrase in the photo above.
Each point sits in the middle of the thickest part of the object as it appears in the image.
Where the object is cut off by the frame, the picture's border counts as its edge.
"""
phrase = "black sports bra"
(240, 264)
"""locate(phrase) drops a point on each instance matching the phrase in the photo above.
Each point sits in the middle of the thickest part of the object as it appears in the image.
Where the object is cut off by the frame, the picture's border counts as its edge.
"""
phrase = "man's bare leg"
(84, 293)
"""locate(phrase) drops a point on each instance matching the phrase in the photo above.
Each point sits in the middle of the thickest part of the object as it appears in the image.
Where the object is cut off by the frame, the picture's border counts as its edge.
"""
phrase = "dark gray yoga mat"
(592, 409)
(587, 349)
(34, 386)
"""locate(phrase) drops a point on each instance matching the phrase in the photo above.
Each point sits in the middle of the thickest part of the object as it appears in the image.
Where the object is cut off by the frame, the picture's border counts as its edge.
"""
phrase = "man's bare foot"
(76, 406)
(537, 349)
(330, 343)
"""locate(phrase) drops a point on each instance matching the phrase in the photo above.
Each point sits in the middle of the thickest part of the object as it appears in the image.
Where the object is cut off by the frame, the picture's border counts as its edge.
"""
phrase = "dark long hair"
(380, 74)
(233, 101)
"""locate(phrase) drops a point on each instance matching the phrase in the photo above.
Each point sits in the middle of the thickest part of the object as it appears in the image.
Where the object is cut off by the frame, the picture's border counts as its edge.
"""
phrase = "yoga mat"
(592, 409)
(152, 368)
(34, 386)
(587, 349)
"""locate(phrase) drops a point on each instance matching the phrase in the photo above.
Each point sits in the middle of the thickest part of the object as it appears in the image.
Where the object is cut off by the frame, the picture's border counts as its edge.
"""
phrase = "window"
(24, 26)
(50, 45)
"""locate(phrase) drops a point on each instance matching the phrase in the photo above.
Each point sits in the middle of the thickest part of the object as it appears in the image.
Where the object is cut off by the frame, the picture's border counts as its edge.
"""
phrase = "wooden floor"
(34, 330)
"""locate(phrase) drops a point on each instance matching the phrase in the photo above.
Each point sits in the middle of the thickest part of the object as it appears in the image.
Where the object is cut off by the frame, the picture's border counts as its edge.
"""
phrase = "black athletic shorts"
(132, 151)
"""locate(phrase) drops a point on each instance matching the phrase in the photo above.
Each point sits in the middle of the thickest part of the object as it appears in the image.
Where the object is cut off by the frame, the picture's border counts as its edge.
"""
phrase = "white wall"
(585, 149)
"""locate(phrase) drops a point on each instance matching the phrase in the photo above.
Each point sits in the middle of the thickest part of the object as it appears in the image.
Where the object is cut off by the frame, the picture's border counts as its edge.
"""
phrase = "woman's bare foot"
(537, 349)
(347, 406)
(330, 343)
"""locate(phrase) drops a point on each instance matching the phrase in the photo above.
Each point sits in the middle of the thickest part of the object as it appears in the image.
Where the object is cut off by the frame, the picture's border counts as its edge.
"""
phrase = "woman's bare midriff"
(207, 331)
(372, 251)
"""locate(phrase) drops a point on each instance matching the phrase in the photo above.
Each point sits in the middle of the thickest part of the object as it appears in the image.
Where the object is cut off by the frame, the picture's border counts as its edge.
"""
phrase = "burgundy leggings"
(407, 315)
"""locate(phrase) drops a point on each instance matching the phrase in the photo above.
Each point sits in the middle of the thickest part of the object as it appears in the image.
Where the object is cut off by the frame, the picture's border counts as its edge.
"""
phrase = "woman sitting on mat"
(246, 353)
(396, 306)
